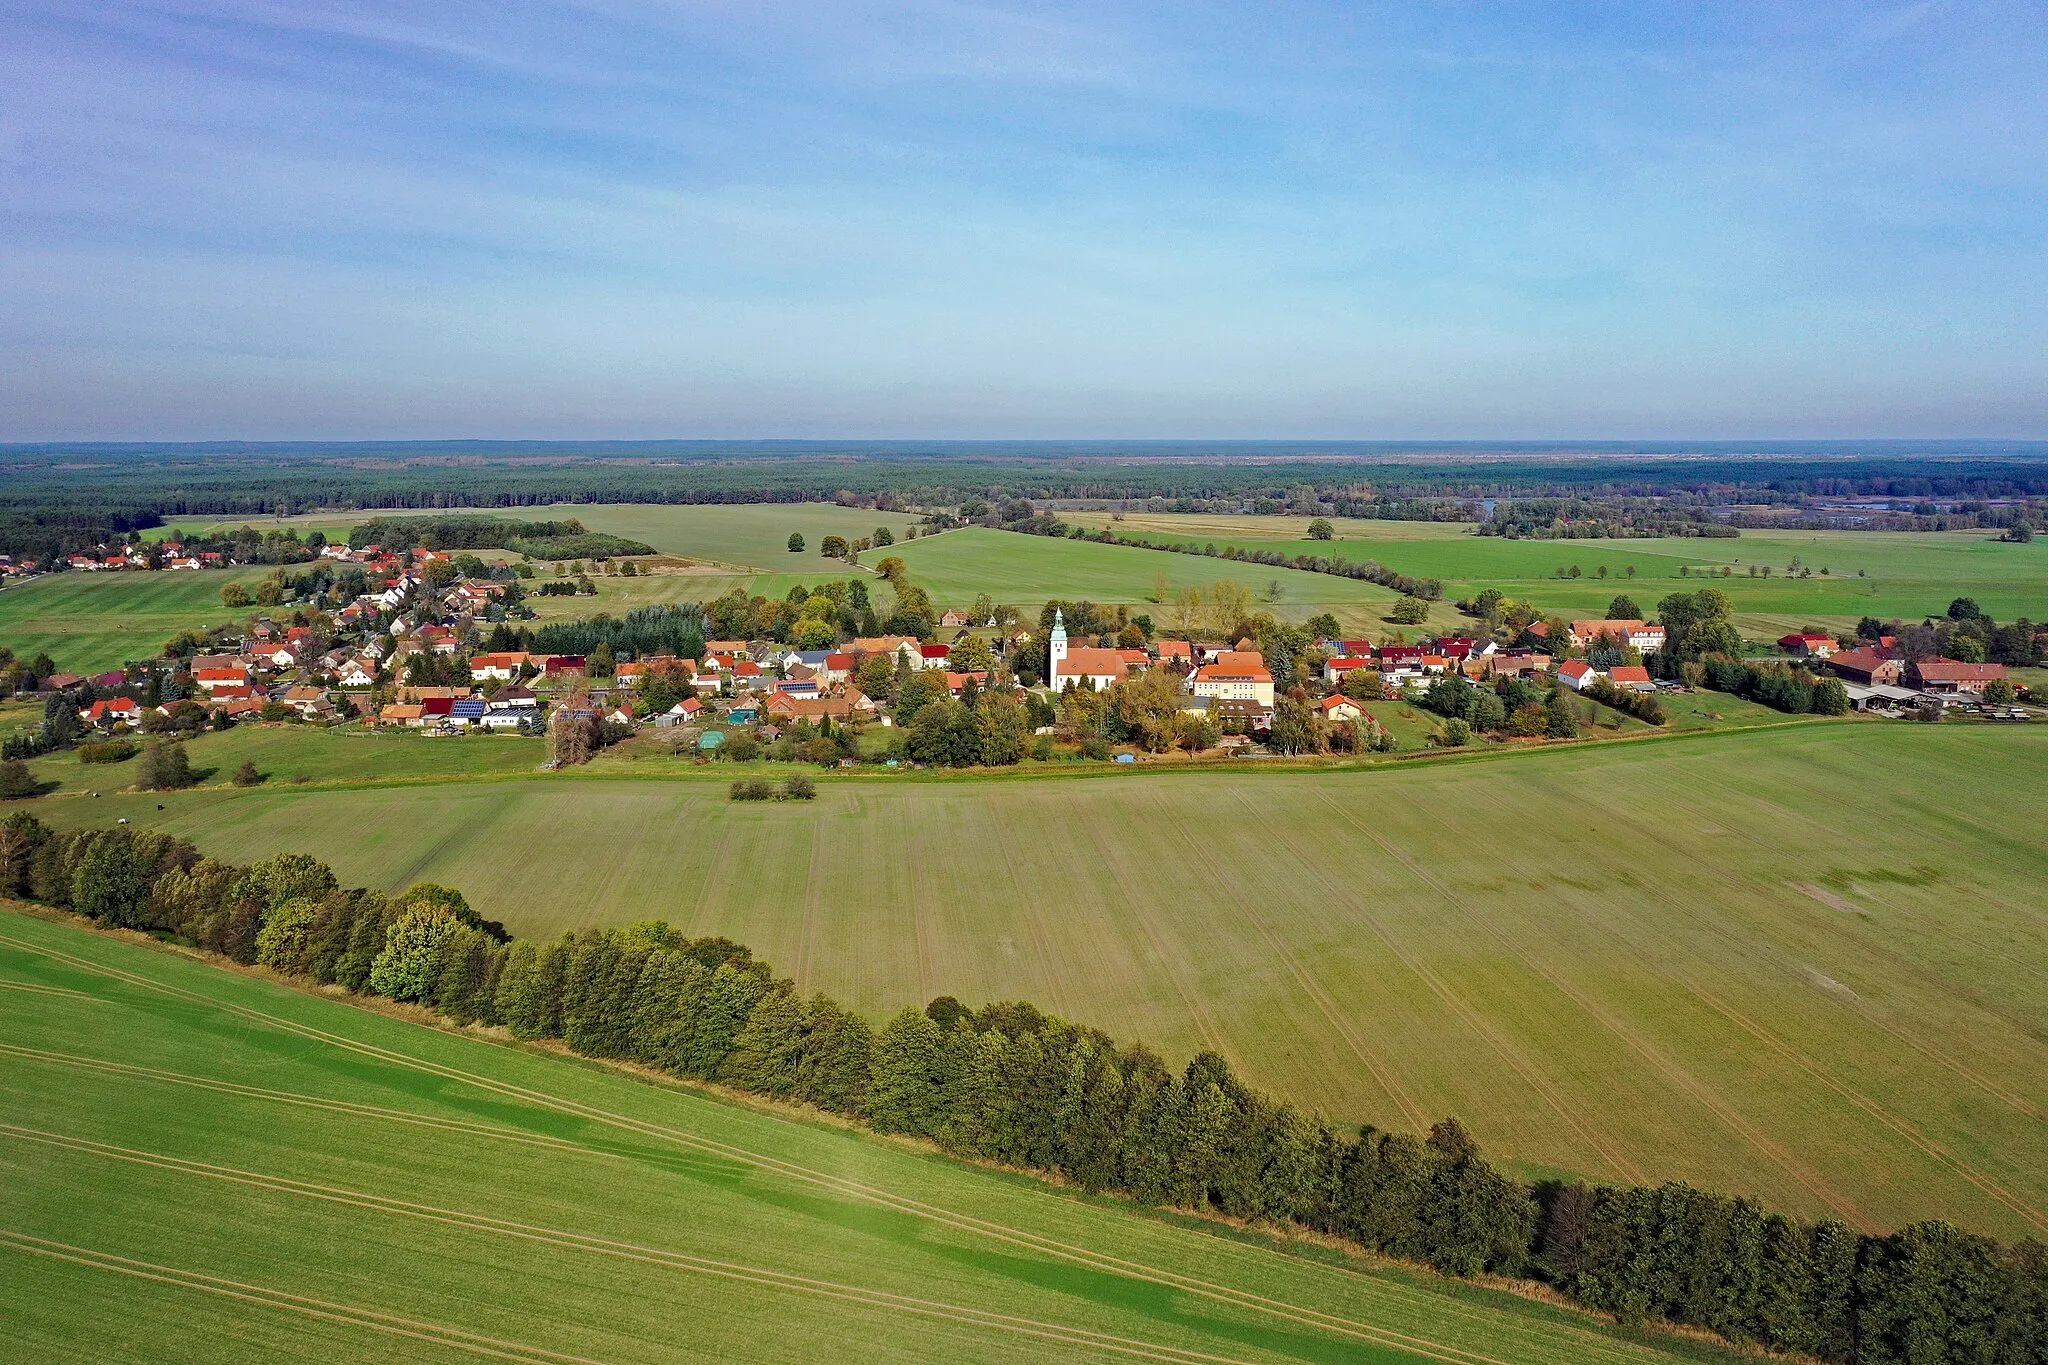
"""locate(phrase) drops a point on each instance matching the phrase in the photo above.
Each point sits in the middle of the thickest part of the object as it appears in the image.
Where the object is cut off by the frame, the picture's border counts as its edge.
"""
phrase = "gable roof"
(1094, 663)
(1951, 670)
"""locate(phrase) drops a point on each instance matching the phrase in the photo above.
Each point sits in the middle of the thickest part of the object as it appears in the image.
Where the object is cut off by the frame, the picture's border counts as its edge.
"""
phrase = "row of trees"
(1009, 1084)
(1429, 589)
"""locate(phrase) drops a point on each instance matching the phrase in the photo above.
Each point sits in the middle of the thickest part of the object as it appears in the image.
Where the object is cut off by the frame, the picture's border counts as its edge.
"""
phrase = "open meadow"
(1803, 962)
(1869, 573)
(90, 622)
(209, 1167)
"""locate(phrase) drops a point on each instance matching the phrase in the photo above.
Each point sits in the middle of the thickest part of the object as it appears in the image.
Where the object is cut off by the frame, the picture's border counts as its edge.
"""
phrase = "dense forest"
(1010, 1084)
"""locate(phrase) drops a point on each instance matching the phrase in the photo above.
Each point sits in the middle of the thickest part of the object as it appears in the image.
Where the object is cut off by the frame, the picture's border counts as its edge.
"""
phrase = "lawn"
(1883, 574)
(90, 622)
(209, 1167)
(1803, 961)
(1026, 571)
(289, 754)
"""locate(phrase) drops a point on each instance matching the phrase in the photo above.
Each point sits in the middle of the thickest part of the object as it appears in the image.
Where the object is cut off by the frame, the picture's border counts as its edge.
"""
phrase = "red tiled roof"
(1951, 670)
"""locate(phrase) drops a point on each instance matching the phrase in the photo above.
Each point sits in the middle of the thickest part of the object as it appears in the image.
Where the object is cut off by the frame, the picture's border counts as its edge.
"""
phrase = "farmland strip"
(792, 1170)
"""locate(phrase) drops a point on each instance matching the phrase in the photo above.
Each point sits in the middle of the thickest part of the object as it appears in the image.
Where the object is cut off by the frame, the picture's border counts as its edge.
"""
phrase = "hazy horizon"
(949, 221)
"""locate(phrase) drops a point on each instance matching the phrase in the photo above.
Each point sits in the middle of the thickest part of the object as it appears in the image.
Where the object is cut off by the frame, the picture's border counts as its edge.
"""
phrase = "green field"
(1803, 962)
(208, 1167)
(1903, 575)
(749, 535)
(1025, 571)
(89, 622)
(289, 754)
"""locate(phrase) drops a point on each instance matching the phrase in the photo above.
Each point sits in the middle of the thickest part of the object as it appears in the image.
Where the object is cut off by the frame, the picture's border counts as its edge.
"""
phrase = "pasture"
(1025, 571)
(1870, 573)
(90, 622)
(209, 1167)
(1802, 962)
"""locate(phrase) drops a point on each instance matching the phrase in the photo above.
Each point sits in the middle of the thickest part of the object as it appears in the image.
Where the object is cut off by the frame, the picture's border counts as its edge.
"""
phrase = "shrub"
(246, 775)
(751, 789)
(1456, 734)
(799, 787)
(164, 767)
(106, 751)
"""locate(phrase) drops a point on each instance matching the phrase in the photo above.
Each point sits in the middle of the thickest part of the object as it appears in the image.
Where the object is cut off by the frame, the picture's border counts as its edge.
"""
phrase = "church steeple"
(1056, 649)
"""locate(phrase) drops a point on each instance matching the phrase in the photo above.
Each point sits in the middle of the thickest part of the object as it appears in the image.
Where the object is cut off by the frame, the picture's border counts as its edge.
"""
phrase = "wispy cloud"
(937, 217)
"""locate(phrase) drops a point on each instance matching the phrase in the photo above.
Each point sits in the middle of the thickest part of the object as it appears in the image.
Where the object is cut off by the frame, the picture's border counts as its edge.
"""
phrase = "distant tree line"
(1605, 519)
(535, 539)
(69, 497)
(669, 628)
(1009, 1084)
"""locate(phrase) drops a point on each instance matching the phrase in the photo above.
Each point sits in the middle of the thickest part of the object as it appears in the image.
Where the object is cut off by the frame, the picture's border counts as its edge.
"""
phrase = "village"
(422, 648)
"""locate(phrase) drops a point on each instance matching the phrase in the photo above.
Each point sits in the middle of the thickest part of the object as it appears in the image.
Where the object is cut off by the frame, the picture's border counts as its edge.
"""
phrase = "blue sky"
(497, 218)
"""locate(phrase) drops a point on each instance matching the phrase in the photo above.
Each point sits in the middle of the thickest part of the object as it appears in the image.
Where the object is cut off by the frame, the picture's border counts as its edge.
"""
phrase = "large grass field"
(1870, 573)
(291, 754)
(747, 535)
(89, 622)
(1804, 962)
(1025, 571)
(208, 1167)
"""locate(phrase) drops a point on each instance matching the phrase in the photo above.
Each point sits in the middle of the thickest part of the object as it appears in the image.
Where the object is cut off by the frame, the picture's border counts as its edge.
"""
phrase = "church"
(1084, 666)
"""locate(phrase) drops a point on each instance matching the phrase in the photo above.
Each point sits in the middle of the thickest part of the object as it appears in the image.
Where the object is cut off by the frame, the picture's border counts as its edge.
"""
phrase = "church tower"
(1056, 650)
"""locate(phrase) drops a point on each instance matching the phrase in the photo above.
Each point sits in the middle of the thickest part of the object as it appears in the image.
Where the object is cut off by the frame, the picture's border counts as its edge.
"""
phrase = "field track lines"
(1014, 864)
(1677, 1075)
(1902, 1127)
(348, 1315)
(1473, 1019)
(348, 1107)
(1381, 1073)
(37, 988)
(1148, 924)
(656, 1256)
(845, 1186)
(1928, 1146)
